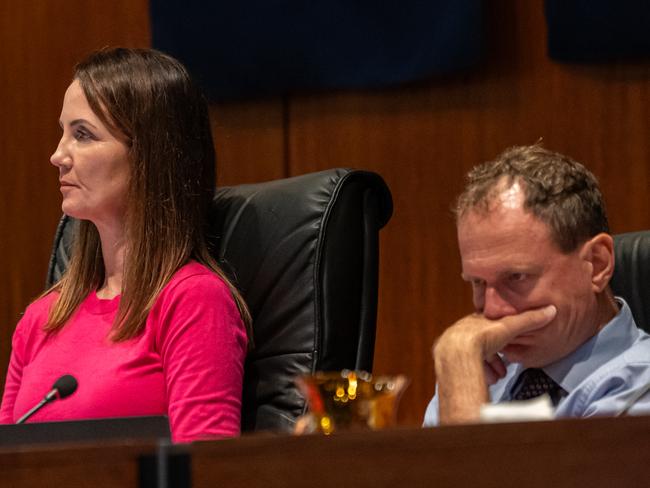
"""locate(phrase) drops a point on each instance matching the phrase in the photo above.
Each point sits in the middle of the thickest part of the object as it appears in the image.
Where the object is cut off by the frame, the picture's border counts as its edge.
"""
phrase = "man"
(534, 244)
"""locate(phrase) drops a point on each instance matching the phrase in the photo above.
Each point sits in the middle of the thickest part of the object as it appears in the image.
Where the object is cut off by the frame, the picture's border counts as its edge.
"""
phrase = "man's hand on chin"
(466, 359)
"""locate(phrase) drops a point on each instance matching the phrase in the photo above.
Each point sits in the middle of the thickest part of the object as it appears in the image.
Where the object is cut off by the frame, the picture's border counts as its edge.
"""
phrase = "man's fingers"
(487, 337)
(494, 369)
(529, 320)
(496, 334)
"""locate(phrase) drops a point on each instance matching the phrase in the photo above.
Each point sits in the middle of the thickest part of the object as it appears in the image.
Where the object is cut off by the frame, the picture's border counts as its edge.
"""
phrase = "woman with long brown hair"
(144, 318)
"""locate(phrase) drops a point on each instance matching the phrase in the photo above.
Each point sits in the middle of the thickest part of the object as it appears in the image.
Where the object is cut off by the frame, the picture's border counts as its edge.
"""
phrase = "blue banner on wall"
(252, 48)
(598, 30)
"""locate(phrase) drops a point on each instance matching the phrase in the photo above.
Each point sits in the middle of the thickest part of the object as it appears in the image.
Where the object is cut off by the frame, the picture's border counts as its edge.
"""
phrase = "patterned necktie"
(534, 382)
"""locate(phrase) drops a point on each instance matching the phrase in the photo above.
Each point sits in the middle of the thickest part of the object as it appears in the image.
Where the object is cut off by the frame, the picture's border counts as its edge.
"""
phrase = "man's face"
(513, 264)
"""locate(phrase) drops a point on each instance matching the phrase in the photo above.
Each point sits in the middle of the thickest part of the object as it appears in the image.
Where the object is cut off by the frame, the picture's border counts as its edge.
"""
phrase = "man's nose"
(495, 306)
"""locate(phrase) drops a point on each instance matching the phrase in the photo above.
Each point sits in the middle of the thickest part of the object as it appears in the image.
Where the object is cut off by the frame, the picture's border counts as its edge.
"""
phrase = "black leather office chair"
(631, 278)
(304, 253)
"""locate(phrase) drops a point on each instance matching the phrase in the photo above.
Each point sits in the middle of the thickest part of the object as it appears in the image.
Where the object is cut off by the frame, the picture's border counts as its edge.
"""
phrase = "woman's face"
(93, 164)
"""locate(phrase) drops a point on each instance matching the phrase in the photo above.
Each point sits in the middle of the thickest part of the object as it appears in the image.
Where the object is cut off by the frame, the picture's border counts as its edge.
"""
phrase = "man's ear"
(599, 251)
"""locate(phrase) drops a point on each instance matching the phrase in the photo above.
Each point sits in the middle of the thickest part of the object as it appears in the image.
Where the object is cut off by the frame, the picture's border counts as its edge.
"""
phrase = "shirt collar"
(612, 340)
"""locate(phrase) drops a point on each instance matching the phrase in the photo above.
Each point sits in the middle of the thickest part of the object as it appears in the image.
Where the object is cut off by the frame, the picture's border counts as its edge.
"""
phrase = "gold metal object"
(350, 400)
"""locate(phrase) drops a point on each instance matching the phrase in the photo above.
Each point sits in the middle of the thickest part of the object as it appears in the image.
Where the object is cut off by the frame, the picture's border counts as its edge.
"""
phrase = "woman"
(144, 318)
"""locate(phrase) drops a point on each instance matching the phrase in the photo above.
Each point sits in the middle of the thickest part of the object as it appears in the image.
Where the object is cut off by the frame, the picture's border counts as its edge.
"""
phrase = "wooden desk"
(569, 453)
(95, 452)
(113, 464)
(589, 453)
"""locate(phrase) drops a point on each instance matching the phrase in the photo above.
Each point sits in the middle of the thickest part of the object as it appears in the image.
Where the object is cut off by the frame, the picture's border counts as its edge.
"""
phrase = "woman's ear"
(599, 251)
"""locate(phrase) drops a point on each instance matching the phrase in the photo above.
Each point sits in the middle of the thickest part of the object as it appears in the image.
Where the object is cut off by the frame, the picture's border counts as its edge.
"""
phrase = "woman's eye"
(82, 134)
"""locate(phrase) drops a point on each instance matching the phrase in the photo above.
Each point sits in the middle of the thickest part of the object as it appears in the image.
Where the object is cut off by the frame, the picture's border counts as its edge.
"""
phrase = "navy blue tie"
(534, 382)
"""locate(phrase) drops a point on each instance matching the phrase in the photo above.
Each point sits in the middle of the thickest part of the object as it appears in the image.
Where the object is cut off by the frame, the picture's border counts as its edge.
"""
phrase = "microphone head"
(65, 385)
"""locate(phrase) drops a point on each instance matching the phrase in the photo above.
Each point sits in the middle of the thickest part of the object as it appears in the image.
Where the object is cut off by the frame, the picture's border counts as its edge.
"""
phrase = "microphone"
(62, 388)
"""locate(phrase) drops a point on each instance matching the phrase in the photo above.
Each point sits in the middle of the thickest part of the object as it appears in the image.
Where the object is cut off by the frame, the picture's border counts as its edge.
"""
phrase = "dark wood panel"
(100, 465)
(590, 452)
(249, 140)
(424, 137)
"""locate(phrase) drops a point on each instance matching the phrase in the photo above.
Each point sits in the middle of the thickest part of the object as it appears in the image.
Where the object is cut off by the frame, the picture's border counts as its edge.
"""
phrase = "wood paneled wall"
(421, 138)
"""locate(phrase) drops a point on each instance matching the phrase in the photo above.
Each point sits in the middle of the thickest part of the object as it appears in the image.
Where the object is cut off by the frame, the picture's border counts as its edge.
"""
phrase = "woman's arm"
(202, 342)
(14, 374)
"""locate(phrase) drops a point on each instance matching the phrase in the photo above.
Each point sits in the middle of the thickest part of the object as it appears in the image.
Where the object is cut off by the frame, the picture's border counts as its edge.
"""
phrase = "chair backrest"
(304, 253)
(631, 278)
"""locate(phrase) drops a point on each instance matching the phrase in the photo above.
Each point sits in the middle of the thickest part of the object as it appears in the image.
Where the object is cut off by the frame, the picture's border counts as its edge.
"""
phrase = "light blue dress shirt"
(600, 377)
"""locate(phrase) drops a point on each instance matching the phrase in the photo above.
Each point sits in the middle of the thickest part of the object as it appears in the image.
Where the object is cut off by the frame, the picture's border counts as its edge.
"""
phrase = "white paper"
(539, 408)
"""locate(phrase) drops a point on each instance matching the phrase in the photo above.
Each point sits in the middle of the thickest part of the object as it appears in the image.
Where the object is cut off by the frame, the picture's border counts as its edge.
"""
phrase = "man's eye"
(517, 277)
(478, 283)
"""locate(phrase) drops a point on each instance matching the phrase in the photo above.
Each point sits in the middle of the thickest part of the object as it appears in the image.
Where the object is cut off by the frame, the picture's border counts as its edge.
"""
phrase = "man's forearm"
(461, 384)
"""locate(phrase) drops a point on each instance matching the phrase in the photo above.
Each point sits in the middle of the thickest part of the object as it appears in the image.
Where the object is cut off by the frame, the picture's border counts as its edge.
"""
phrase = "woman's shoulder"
(193, 274)
(195, 282)
(41, 306)
(36, 313)
(195, 294)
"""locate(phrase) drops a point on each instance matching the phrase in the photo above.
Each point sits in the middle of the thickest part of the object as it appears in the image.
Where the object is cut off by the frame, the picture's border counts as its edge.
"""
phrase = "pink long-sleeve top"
(188, 363)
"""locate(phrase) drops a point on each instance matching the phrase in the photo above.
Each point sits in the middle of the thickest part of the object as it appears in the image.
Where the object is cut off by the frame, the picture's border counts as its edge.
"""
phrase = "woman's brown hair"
(148, 100)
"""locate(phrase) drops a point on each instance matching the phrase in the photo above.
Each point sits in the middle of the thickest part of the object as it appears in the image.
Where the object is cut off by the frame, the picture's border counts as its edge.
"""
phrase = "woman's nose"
(60, 156)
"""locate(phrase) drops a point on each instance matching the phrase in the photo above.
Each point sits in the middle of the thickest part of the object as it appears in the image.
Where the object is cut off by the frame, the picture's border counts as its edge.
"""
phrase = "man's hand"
(466, 359)
(476, 334)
